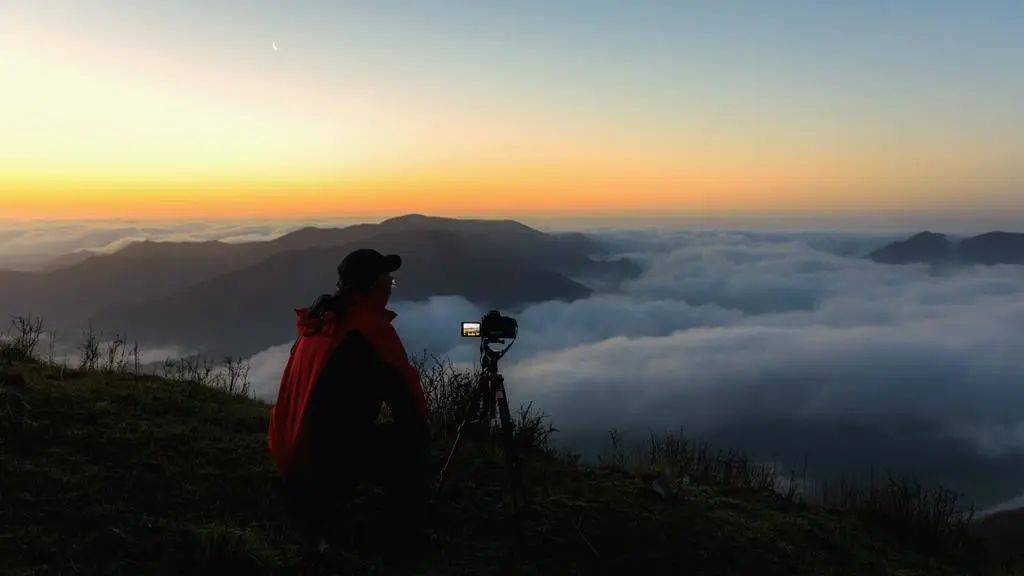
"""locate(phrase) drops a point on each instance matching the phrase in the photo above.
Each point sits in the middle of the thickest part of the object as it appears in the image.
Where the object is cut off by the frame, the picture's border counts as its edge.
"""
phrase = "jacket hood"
(309, 322)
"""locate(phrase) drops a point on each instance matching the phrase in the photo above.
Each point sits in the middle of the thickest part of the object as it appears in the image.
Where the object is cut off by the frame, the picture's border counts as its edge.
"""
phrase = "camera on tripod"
(488, 401)
(493, 326)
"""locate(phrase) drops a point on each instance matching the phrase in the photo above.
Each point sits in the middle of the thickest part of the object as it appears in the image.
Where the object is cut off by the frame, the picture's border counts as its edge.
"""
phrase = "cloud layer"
(784, 345)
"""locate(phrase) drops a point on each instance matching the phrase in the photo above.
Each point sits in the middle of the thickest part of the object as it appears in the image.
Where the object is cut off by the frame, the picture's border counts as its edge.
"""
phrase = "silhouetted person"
(347, 362)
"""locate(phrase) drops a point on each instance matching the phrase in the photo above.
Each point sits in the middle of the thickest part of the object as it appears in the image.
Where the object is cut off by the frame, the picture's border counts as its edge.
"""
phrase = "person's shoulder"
(370, 319)
(326, 303)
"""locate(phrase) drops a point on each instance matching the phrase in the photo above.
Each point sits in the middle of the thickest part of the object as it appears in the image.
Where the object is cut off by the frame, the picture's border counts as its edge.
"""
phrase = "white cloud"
(265, 369)
(1012, 504)
(776, 340)
(957, 371)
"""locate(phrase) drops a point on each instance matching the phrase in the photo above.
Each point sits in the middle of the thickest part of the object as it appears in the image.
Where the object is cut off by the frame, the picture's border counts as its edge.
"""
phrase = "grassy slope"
(111, 474)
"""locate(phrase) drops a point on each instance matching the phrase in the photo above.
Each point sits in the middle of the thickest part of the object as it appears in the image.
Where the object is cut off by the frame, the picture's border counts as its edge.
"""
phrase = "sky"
(538, 110)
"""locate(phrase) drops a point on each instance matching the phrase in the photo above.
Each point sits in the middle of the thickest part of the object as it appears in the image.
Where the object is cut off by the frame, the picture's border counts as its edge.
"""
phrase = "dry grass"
(934, 519)
(448, 387)
(684, 460)
(930, 517)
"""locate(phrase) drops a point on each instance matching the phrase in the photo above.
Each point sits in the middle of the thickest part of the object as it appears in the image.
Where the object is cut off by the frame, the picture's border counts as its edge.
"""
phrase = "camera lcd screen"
(471, 329)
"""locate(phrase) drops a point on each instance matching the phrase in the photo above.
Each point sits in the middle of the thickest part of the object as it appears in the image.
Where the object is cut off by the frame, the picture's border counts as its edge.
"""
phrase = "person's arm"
(402, 391)
(404, 404)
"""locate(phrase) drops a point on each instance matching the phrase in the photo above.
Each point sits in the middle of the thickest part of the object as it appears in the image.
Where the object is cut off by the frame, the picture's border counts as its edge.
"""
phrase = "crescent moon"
(274, 45)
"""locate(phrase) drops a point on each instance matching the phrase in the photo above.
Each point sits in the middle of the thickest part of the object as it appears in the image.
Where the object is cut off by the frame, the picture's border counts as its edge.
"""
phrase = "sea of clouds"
(792, 347)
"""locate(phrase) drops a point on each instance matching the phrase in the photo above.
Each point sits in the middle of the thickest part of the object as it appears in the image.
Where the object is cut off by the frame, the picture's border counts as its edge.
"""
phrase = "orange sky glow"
(101, 120)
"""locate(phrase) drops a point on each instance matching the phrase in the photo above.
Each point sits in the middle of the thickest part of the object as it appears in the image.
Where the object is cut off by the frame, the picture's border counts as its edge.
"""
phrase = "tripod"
(488, 401)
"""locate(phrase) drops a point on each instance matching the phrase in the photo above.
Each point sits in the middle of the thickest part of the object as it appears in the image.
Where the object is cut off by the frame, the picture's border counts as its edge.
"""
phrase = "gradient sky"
(525, 109)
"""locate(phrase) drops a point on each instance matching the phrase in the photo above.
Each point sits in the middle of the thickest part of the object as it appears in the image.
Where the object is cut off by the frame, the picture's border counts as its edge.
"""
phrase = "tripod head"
(493, 330)
(489, 356)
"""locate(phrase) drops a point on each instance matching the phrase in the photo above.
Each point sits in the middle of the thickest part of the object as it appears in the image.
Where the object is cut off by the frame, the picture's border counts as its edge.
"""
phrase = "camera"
(493, 326)
(488, 401)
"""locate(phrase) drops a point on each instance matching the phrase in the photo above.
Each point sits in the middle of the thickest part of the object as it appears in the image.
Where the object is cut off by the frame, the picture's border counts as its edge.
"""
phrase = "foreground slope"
(118, 474)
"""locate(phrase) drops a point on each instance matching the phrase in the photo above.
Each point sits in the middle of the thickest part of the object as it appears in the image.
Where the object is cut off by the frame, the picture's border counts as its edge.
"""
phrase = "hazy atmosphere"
(766, 260)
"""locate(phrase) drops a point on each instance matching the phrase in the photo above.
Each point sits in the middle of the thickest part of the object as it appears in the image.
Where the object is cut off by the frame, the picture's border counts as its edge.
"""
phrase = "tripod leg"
(490, 400)
(470, 411)
(511, 450)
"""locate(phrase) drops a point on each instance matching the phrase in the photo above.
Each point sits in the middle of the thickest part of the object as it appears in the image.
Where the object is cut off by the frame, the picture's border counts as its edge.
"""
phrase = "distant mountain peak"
(995, 247)
(419, 221)
(412, 217)
(927, 236)
(921, 247)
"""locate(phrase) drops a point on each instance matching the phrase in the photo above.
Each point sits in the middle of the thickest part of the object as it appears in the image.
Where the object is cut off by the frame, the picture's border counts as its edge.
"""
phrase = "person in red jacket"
(347, 362)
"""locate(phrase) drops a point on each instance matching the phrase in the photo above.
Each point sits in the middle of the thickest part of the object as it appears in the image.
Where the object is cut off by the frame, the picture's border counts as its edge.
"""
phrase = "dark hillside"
(993, 248)
(140, 271)
(117, 474)
(247, 310)
(135, 290)
(1004, 531)
(929, 247)
(921, 247)
(567, 253)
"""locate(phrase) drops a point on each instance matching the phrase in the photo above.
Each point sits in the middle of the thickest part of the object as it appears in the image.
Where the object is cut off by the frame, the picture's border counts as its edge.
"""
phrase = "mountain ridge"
(927, 247)
(147, 286)
(250, 309)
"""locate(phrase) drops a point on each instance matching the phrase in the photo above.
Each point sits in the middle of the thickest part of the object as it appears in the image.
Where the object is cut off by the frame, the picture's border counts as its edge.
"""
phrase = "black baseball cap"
(363, 266)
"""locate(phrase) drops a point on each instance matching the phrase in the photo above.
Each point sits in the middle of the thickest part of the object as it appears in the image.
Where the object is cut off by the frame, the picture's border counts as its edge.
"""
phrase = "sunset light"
(152, 113)
(557, 287)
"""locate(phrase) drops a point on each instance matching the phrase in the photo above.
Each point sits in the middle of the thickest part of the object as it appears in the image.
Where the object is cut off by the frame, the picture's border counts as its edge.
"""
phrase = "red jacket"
(318, 337)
